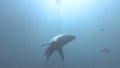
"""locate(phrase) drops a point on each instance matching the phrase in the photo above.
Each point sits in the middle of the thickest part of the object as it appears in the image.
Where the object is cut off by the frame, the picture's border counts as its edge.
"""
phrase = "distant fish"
(105, 50)
(92, 60)
(57, 43)
(102, 29)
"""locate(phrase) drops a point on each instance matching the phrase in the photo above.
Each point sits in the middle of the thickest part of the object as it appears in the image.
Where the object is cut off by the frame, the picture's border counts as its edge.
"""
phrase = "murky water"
(25, 25)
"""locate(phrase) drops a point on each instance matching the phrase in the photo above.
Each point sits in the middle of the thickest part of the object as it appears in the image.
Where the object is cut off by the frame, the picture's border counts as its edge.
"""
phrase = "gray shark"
(57, 43)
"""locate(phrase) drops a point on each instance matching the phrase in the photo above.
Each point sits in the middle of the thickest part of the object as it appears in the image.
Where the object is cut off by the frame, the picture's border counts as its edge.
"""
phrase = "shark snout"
(72, 37)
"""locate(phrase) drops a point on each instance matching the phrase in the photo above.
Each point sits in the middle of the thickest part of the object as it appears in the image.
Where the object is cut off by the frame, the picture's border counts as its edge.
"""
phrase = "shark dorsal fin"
(60, 51)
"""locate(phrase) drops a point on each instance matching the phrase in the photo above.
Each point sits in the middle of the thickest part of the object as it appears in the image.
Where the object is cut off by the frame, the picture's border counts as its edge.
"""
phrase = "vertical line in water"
(59, 18)
(63, 65)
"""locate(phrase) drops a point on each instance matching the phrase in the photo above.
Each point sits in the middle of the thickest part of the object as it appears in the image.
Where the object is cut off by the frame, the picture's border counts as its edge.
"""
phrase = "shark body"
(57, 43)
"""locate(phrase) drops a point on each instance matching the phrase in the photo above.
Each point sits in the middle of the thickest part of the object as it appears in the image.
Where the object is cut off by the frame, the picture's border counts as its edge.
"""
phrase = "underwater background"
(25, 25)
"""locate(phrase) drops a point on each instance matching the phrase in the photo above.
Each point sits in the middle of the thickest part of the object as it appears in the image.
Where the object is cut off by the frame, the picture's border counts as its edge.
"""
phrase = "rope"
(59, 18)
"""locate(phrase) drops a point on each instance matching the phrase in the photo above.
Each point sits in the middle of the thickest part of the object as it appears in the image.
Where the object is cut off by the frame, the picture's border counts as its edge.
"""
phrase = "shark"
(57, 44)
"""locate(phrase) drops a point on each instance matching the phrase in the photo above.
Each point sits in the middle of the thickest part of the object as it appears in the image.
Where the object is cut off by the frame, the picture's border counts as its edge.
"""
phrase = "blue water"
(27, 24)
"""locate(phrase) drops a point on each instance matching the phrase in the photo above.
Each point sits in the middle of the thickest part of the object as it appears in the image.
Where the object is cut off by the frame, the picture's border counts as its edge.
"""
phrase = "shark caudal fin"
(60, 51)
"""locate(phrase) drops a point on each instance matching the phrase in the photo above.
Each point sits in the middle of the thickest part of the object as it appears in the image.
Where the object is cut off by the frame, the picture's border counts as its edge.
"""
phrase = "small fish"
(92, 60)
(102, 29)
(105, 50)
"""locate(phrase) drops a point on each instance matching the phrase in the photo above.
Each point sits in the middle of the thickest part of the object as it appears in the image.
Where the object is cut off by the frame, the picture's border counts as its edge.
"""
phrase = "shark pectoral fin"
(45, 44)
(60, 51)
(49, 53)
